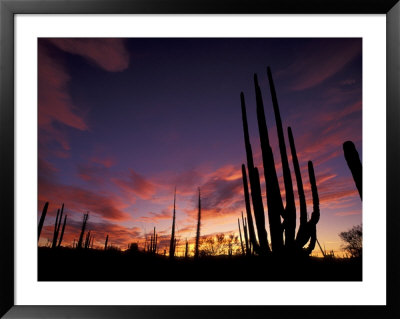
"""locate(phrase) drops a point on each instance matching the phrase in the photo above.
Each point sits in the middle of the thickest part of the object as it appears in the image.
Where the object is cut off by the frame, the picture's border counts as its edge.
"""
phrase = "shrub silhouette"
(353, 240)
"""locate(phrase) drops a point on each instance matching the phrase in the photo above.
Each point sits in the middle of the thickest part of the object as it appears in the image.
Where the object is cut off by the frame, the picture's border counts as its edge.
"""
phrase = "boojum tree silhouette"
(172, 246)
(282, 219)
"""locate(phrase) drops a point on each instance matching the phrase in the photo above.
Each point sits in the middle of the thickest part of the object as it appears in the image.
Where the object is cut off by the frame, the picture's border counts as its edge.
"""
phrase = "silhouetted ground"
(96, 265)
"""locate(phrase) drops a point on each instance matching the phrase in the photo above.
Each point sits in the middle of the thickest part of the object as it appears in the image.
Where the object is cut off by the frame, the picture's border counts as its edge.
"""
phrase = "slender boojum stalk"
(196, 252)
(172, 242)
(42, 218)
(62, 231)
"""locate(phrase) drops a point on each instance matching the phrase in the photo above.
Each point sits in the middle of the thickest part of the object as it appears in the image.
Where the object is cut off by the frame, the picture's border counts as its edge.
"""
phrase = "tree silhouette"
(353, 240)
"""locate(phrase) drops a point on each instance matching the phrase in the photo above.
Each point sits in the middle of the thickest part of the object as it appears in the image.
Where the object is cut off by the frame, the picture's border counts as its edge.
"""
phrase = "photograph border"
(8, 10)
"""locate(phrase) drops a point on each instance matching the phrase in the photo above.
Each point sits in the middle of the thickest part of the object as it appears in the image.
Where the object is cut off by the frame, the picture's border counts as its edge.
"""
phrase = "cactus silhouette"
(57, 226)
(62, 231)
(152, 247)
(155, 241)
(290, 209)
(252, 235)
(186, 249)
(258, 206)
(274, 201)
(80, 241)
(354, 163)
(245, 233)
(300, 189)
(283, 236)
(241, 240)
(196, 251)
(105, 244)
(87, 241)
(42, 218)
(312, 223)
(307, 229)
(173, 242)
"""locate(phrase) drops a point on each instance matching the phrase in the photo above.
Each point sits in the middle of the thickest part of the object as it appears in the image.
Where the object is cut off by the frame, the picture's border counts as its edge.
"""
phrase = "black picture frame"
(8, 10)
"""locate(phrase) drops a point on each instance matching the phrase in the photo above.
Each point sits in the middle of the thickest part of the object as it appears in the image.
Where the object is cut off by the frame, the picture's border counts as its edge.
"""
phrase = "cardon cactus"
(282, 234)
(258, 207)
(354, 163)
(42, 218)
(245, 232)
(106, 242)
(80, 241)
(57, 226)
(62, 231)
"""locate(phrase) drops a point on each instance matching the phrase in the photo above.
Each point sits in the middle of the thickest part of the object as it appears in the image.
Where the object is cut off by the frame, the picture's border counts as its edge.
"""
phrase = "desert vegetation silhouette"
(282, 233)
(258, 255)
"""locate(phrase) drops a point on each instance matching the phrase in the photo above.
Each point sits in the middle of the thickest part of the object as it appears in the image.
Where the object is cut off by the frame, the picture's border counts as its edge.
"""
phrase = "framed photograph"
(191, 160)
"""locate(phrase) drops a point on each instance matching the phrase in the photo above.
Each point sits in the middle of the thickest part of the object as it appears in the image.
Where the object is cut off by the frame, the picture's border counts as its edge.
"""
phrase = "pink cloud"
(54, 100)
(156, 217)
(109, 54)
(349, 213)
(136, 184)
(335, 116)
(79, 199)
(55, 104)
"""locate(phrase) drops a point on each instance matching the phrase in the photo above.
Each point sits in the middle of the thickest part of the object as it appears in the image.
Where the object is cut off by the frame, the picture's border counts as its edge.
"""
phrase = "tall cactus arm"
(80, 241)
(42, 218)
(55, 230)
(241, 239)
(314, 190)
(312, 223)
(303, 233)
(258, 207)
(59, 221)
(308, 231)
(290, 209)
(245, 233)
(313, 239)
(274, 198)
(252, 233)
(249, 152)
(260, 217)
(62, 231)
(354, 163)
(300, 189)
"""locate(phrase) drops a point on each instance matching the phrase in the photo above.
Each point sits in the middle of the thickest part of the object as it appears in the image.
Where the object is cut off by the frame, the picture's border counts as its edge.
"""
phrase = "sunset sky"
(124, 121)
